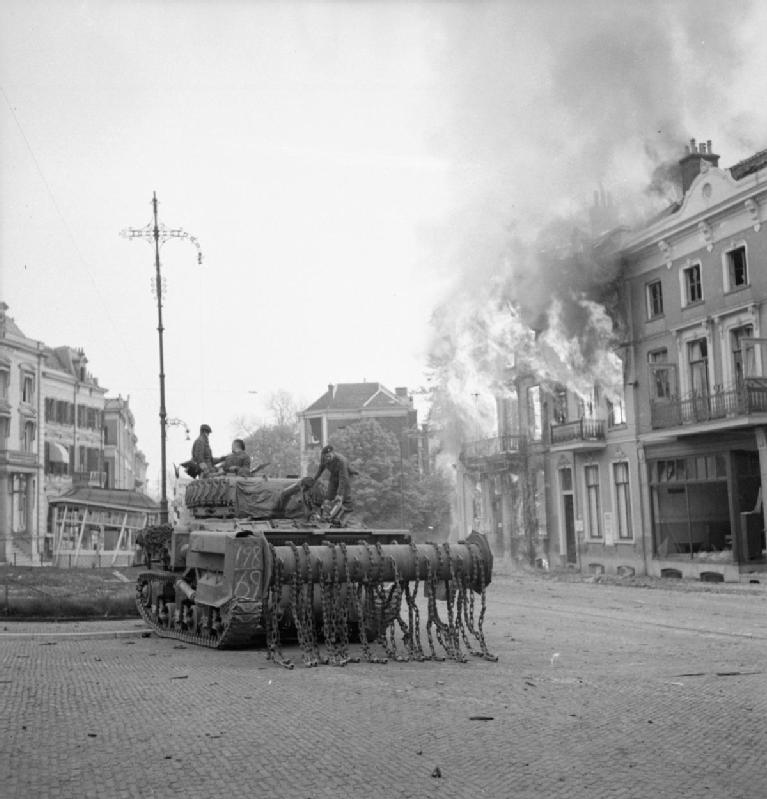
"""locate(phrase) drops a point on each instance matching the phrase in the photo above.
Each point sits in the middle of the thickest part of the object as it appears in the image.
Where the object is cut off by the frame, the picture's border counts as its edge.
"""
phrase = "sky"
(346, 167)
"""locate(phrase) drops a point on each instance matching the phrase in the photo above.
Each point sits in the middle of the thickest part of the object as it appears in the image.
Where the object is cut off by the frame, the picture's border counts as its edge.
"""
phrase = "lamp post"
(176, 422)
(159, 234)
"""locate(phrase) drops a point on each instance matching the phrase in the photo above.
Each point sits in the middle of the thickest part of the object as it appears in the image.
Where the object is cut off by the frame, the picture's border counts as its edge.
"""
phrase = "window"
(566, 479)
(559, 409)
(4, 381)
(622, 511)
(616, 412)
(693, 290)
(28, 437)
(534, 421)
(743, 353)
(654, 299)
(508, 413)
(5, 431)
(27, 388)
(661, 372)
(737, 271)
(19, 502)
(588, 404)
(698, 468)
(314, 431)
(697, 353)
(592, 502)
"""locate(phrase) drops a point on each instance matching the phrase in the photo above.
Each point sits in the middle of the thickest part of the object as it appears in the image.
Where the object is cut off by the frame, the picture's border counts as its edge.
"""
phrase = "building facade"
(56, 430)
(663, 477)
(21, 368)
(697, 281)
(124, 463)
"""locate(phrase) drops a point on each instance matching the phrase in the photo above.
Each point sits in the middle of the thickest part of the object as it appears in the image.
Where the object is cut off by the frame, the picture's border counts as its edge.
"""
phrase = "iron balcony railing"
(579, 430)
(487, 447)
(750, 397)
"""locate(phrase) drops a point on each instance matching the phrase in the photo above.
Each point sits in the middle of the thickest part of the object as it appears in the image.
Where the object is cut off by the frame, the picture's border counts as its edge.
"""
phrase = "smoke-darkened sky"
(345, 166)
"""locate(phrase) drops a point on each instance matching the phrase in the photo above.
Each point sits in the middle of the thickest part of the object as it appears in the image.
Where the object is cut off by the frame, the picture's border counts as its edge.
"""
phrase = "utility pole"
(157, 232)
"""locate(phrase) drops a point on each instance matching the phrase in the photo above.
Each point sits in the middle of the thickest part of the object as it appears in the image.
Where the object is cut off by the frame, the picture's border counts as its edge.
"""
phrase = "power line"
(103, 303)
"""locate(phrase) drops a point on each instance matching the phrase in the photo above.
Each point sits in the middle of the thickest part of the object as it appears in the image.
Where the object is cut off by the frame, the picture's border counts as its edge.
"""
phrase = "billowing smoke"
(548, 102)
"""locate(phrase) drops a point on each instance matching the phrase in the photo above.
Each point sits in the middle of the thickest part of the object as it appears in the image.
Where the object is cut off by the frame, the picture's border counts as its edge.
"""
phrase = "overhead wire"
(104, 306)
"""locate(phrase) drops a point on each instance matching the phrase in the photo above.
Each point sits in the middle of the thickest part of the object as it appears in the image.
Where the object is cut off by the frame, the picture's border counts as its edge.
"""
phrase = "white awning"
(58, 453)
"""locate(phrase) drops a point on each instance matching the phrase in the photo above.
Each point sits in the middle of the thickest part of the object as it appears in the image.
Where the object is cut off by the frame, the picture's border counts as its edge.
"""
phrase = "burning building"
(632, 439)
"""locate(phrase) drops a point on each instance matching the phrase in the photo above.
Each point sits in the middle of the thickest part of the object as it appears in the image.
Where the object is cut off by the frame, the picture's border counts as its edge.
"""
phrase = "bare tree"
(283, 406)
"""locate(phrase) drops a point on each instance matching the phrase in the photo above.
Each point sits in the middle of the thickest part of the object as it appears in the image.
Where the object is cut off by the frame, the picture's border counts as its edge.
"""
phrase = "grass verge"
(31, 592)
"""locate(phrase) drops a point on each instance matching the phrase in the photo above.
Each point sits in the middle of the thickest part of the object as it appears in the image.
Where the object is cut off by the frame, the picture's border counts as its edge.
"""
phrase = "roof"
(117, 498)
(354, 397)
(749, 165)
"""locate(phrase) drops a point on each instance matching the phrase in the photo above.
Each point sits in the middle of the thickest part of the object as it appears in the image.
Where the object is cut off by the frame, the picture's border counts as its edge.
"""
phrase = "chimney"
(692, 163)
(331, 391)
(401, 391)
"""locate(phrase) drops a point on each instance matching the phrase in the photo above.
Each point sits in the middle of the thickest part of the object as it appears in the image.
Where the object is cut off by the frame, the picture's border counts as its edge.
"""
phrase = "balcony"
(720, 404)
(581, 434)
(91, 479)
(491, 454)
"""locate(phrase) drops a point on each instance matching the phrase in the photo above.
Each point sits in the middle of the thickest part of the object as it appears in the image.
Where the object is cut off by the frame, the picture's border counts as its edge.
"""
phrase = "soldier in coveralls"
(339, 484)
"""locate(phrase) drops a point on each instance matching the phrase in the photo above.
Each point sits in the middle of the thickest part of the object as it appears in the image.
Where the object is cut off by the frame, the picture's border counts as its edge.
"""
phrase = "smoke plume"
(548, 102)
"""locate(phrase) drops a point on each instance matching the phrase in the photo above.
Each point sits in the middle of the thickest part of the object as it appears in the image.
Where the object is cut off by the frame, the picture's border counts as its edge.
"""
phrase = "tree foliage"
(389, 491)
(277, 445)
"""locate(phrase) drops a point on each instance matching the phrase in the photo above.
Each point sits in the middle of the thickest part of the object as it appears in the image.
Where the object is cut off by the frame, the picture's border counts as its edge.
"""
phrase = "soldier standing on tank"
(201, 452)
(339, 484)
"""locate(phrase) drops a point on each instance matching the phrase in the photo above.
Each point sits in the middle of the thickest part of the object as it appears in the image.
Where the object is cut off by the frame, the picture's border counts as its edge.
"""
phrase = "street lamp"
(159, 233)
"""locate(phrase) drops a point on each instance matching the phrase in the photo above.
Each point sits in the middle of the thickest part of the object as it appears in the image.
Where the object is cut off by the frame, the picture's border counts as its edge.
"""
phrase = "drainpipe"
(40, 487)
(644, 492)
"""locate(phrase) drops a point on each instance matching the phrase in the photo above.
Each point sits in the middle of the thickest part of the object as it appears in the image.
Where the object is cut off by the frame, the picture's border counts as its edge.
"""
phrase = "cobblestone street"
(601, 691)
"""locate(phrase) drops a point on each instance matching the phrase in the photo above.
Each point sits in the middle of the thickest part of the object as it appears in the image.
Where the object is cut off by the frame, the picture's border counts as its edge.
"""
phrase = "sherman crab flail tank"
(257, 561)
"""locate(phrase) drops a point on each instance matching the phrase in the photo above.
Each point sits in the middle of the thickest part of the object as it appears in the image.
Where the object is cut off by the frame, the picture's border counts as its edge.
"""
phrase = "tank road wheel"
(144, 593)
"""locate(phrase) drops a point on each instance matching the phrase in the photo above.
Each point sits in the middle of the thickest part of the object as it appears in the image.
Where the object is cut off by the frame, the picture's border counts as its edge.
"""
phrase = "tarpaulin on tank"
(263, 499)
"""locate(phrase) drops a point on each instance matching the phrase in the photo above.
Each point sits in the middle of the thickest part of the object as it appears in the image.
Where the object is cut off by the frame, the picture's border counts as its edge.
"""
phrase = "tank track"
(240, 620)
